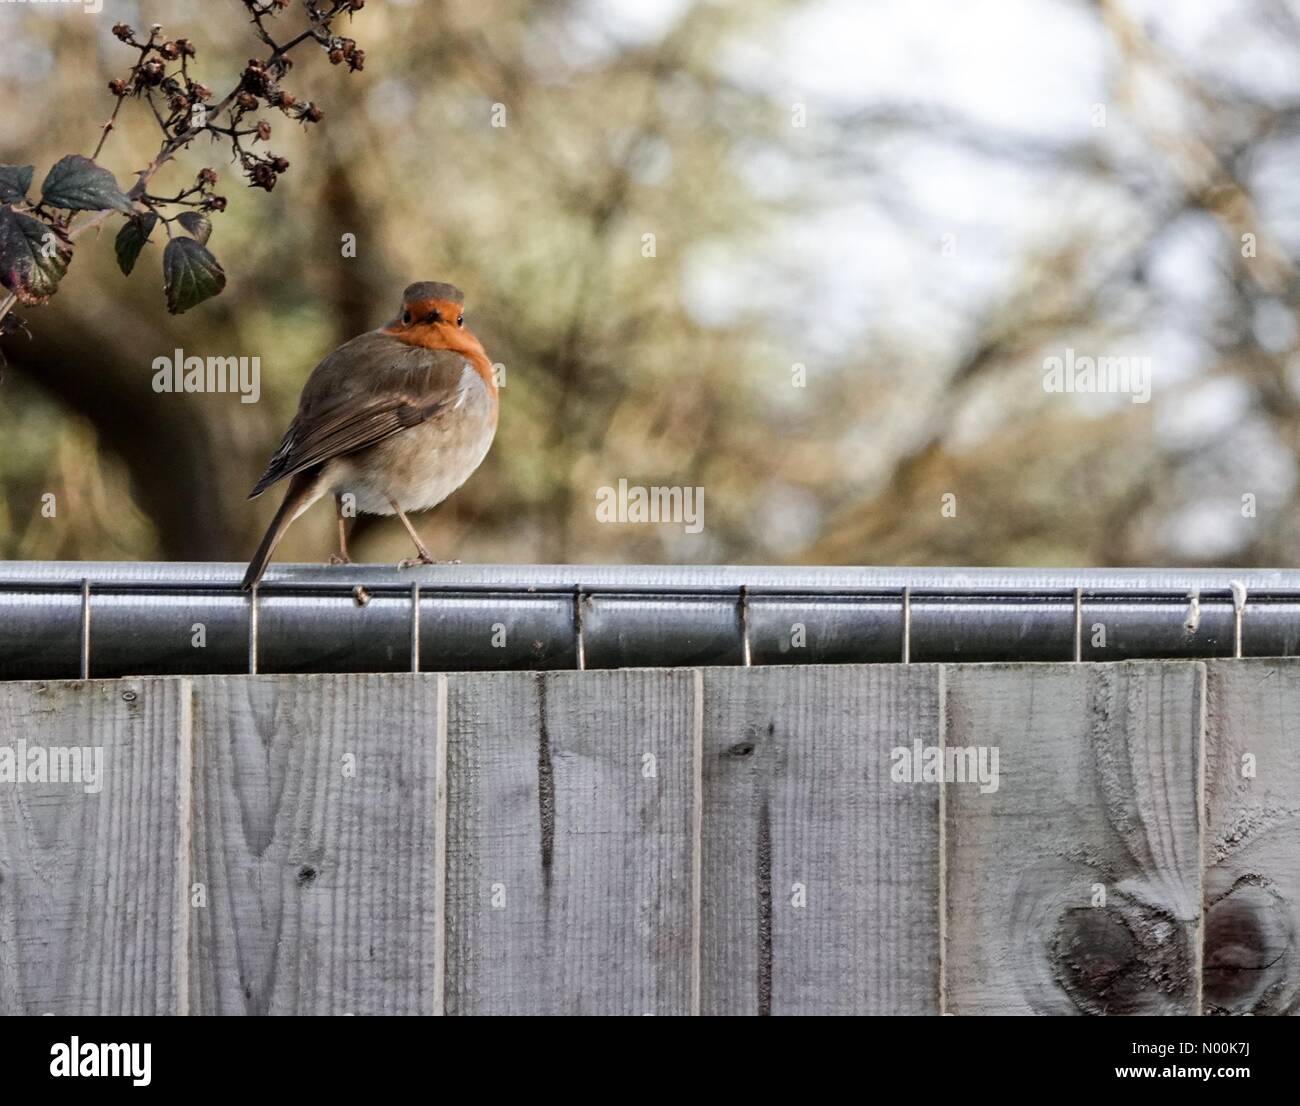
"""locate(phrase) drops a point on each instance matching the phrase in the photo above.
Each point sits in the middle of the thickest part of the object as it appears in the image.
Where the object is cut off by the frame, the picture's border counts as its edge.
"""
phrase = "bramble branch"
(37, 237)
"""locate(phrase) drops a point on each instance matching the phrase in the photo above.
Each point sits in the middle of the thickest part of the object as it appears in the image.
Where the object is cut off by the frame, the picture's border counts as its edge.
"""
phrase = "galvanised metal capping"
(105, 619)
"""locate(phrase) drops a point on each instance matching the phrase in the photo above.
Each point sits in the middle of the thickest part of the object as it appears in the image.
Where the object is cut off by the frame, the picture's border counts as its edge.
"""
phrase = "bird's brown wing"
(365, 391)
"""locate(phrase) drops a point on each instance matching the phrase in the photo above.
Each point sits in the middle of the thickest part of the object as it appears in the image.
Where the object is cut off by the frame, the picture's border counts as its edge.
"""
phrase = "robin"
(399, 418)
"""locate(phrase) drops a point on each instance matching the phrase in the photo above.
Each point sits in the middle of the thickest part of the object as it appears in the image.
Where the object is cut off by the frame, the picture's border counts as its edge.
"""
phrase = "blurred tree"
(524, 152)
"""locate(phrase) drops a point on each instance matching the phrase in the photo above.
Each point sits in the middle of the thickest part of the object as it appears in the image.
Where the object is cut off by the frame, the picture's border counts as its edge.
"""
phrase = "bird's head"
(433, 315)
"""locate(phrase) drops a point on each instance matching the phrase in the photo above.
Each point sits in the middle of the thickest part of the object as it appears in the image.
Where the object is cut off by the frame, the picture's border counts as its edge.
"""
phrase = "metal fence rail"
(102, 619)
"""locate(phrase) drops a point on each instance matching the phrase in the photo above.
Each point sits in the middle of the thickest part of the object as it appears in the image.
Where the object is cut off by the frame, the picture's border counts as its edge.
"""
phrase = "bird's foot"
(411, 562)
(339, 559)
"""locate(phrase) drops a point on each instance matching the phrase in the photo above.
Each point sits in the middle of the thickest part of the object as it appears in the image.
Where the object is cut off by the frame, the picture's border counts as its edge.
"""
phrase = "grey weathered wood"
(798, 793)
(570, 844)
(1252, 837)
(1098, 788)
(323, 887)
(92, 915)
(575, 880)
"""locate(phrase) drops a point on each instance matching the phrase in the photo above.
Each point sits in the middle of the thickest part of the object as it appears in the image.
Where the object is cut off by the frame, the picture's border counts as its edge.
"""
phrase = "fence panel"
(317, 845)
(1252, 837)
(821, 873)
(92, 869)
(810, 839)
(571, 872)
(1075, 886)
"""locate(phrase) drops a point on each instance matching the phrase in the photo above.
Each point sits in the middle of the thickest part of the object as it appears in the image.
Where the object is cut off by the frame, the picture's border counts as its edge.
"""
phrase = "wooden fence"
(717, 841)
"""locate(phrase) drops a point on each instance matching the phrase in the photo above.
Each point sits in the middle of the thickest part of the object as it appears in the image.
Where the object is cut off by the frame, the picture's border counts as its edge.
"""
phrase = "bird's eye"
(460, 320)
(406, 318)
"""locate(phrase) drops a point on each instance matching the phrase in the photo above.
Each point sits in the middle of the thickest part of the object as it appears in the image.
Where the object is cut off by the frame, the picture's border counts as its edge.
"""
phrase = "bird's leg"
(425, 557)
(341, 558)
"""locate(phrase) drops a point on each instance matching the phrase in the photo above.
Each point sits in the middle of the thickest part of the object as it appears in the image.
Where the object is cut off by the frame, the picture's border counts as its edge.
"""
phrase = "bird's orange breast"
(432, 327)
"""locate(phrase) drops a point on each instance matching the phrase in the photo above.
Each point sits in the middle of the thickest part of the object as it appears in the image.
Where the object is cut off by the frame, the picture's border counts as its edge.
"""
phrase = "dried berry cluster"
(36, 236)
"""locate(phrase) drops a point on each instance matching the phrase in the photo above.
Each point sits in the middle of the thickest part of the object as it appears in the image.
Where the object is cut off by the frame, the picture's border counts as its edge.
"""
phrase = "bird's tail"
(301, 493)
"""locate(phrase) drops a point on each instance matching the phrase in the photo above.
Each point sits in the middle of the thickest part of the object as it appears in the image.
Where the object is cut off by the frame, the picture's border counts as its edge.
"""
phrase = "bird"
(398, 418)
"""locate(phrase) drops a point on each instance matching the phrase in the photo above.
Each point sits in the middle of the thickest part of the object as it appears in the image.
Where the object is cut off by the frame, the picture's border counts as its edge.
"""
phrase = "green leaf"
(78, 184)
(190, 274)
(197, 225)
(131, 240)
(33, 257)
(14, 182)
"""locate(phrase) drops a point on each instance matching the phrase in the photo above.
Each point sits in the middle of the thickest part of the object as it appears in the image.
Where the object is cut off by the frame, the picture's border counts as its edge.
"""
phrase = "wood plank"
(92, 873)
(799, 805)
(570, 845)
(316, 839)
(1098, 785)
(1252, 837)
